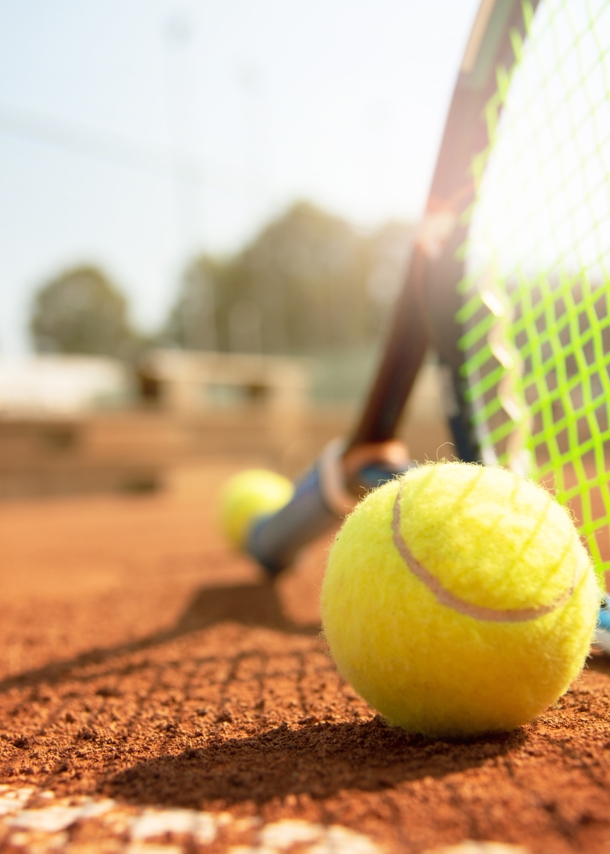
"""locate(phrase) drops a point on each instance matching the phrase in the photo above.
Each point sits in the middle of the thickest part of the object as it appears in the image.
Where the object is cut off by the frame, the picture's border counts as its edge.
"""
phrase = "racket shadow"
(256, 605)
(247, 604)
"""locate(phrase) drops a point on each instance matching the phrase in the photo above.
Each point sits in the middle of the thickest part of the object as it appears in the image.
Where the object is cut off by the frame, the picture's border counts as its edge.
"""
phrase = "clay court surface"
(157, 695)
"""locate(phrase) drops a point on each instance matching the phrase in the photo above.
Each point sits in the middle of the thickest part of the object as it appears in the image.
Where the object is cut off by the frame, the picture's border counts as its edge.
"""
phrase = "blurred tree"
(309, 283)
(389, 250)
(305, 271)
(82, 311)
(192, 320)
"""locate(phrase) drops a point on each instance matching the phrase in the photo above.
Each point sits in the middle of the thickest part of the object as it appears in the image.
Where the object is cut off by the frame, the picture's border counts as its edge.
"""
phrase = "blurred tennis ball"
(252, 493)
(459, 600)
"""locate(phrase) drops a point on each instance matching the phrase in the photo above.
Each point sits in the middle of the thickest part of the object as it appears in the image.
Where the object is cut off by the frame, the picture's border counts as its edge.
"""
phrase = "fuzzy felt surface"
(249, 494)
(493, 541)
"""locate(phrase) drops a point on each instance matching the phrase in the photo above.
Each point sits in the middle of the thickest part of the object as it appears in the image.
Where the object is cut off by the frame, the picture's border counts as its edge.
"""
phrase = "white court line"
(23, 826)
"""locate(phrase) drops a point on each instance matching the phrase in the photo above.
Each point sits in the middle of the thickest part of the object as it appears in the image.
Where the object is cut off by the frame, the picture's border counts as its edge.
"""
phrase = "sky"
(137, 133)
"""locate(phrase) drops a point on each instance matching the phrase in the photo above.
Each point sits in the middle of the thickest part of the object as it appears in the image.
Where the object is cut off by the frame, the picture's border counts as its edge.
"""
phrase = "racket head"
(518, 297)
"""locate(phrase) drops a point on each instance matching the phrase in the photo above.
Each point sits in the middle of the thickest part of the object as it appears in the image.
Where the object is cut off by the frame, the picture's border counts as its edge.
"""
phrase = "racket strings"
(535, 296)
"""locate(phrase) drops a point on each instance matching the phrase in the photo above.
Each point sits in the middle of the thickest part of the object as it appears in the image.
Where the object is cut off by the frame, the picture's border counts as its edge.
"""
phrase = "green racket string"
(536, 290)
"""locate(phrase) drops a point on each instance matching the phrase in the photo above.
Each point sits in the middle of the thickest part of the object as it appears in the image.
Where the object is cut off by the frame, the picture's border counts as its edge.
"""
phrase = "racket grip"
(318, 503)
(275, 540)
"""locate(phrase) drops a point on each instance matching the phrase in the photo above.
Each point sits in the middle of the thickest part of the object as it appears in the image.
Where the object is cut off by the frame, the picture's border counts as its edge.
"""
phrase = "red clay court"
(157, 695)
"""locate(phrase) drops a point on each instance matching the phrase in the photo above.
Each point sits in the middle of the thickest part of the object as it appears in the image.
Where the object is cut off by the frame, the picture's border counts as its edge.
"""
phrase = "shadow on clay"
(313, 760)
(248, 605)
(600, 662)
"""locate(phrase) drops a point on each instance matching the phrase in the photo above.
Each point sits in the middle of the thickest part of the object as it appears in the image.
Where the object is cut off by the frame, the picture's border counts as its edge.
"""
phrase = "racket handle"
(321, 498)
(275, 540)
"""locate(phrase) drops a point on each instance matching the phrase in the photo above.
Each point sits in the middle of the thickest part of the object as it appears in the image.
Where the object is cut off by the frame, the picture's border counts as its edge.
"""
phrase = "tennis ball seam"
(462, 606)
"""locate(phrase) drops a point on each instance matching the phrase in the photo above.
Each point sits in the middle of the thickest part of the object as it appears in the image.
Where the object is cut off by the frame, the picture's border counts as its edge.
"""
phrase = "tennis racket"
(509, 281)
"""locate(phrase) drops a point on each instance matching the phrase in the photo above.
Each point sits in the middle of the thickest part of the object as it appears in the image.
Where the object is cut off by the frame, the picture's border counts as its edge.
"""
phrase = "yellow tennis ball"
(459, 599)
(249, 494)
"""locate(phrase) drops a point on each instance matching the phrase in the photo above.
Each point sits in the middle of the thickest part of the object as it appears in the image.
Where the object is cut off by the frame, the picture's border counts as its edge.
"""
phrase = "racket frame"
(425, 315)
